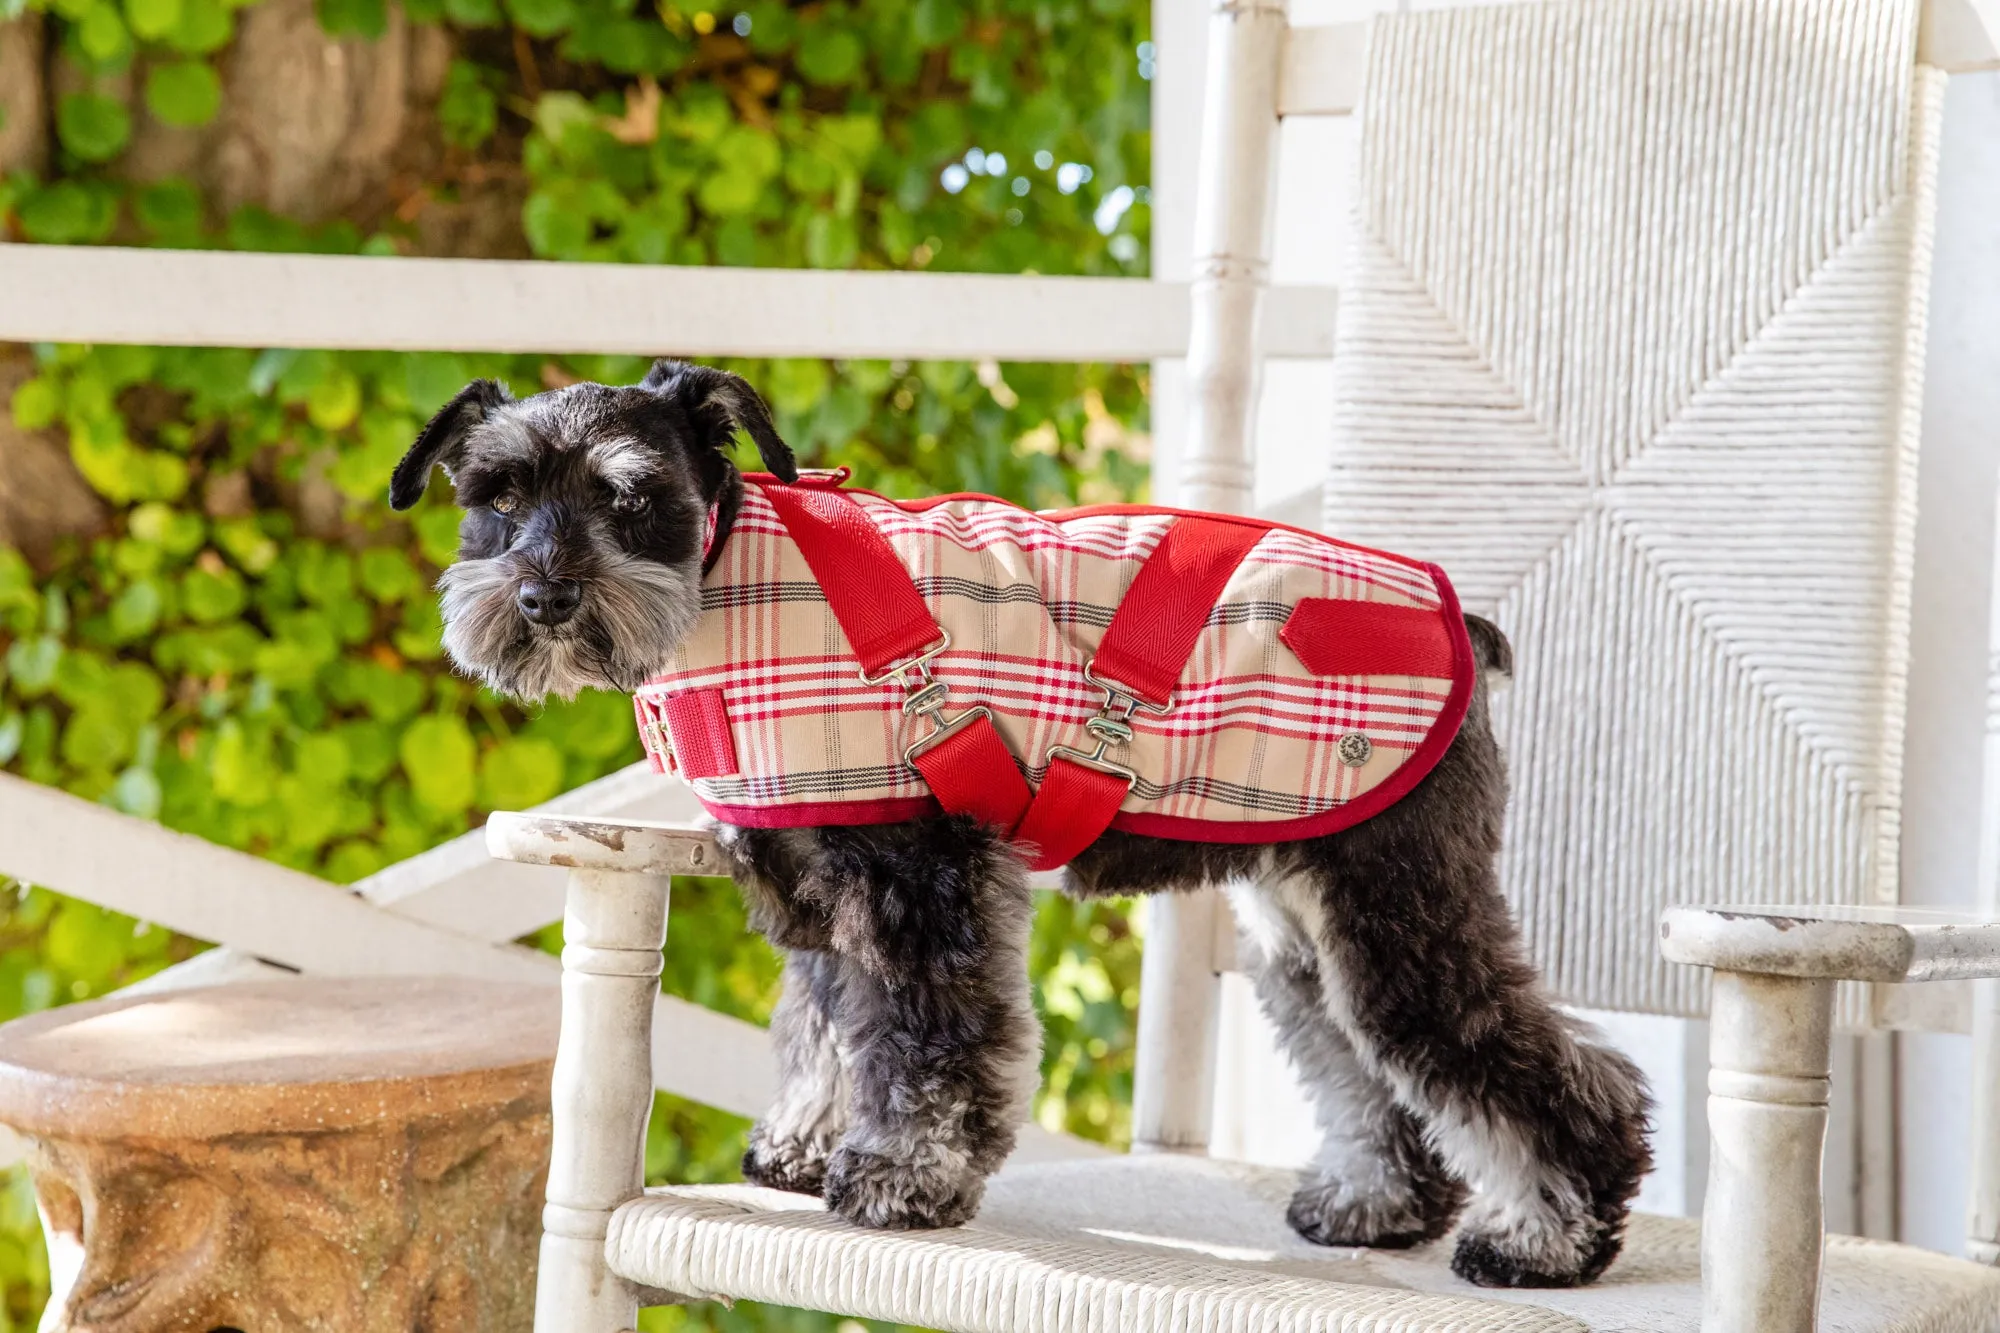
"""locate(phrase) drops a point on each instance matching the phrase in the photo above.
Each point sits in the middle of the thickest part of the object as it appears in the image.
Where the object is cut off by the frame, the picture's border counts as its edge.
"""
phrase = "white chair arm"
(622, 846)
(1770, 1047)
(1835, 943)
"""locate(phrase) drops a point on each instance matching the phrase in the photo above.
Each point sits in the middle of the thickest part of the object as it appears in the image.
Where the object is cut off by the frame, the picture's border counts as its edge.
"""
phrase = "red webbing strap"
(971, 773)
(886, 622)
(1152, 633)
(1071, 811)
(869, 591)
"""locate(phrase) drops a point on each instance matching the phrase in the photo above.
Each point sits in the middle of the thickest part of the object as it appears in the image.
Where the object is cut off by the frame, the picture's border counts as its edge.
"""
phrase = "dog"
(1449, 1087)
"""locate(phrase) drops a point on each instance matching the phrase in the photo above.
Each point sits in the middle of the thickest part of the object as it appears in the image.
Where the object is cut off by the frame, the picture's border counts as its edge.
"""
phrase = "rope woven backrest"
(1630, 341)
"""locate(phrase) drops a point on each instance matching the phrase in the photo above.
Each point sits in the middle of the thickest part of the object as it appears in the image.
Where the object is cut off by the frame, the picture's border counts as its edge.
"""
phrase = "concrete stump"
(310, 1156)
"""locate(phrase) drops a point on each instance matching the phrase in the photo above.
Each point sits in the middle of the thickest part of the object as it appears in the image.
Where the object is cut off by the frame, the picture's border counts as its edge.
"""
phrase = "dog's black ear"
(718, 402)
(442, 440)
(1489, 646)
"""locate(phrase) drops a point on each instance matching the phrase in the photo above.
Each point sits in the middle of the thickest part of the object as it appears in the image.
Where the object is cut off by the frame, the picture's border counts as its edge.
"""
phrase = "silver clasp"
(1111, 726)
(926, 697)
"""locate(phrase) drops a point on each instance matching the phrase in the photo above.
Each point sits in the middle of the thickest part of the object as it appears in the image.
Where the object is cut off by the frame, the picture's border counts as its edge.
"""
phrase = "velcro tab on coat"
(699, 725)
(1339, 637)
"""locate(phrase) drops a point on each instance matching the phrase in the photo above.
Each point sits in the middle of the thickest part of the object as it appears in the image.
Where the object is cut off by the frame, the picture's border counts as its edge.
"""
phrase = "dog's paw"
(877, 1191)
(1536, 1257)
(793, 1165)
(1327, 1211)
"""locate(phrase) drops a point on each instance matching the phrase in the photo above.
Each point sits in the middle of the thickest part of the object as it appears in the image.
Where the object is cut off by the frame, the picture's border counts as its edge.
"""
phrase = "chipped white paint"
(1835, 941)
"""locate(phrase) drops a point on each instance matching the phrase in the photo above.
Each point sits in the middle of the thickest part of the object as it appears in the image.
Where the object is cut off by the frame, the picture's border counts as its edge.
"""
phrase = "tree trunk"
(312, 127)
(42, 497)
(24, 105)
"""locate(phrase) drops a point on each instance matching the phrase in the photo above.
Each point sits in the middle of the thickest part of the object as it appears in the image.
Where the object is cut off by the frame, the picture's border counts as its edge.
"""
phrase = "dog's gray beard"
(634, 613)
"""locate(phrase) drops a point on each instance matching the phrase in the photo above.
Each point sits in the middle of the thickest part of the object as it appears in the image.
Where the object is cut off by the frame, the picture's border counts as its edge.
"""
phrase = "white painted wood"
(1982, 1241)
(1172, 1097)
(1769, 1053)
(614, 927)
(1835, 941)
(1960, 36)
(1322, 69)
(232, 299)
(1945, 797)
(212, 893)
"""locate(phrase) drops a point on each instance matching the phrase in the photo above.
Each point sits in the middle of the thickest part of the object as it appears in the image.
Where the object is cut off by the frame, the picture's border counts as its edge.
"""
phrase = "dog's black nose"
(549, 601)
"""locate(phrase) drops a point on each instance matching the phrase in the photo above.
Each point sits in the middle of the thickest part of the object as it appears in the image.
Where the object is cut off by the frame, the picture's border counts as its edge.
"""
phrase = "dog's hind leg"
(930, 926)
(791, 1144)
(1375, 1181)
(1425, 974)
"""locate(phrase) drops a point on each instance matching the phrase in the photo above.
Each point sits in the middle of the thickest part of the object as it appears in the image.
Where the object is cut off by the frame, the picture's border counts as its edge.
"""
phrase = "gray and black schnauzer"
(1445, 1079)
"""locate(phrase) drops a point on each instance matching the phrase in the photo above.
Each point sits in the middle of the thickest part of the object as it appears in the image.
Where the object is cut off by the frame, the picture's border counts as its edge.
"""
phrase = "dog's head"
(586, 509)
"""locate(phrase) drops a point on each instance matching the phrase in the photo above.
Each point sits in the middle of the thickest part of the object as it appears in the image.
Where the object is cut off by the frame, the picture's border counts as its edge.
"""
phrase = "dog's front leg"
(931, 927)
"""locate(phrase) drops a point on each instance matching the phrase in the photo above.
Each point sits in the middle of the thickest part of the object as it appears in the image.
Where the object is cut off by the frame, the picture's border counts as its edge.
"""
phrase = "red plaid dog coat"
(861, 660)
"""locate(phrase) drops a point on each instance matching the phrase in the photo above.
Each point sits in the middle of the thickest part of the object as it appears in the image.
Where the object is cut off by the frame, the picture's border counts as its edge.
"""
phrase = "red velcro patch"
(699, 725)
(1337, 637)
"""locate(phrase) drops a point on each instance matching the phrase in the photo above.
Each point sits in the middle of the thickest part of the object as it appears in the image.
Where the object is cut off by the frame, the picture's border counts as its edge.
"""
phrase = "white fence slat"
(214, 893)
(201, 298)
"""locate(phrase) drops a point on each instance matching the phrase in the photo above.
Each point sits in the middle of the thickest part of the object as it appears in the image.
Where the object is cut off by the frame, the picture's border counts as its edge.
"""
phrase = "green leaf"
(353, 18)
(137, 792)
(153, 19)
(936, 22)
(240, 766)
(830, 55)
(205, 28)
(438, 753)
(437, 534)
(387, 574)
(94, 127)
(468, 112)
(185, 93)
(516, 774)
(135, 611)
(542, 18)
(211, 595)
(334, 401)
(171, 210)
(473, 13)
(103, 35)
(32, 663)
(36, 403)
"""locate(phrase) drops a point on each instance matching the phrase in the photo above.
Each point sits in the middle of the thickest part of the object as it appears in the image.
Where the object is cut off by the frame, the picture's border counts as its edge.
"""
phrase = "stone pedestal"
(310, 1156)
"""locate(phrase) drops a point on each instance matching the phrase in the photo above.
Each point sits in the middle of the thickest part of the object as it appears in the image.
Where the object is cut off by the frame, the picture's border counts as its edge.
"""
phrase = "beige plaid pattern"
(1253, 737)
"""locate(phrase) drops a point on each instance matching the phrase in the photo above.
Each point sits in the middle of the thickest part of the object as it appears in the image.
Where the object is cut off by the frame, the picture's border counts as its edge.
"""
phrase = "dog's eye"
(630, 503)
(505, 504)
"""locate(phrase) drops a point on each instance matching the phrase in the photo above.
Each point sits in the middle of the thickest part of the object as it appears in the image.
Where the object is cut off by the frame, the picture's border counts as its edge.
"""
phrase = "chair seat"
(1184, 1245)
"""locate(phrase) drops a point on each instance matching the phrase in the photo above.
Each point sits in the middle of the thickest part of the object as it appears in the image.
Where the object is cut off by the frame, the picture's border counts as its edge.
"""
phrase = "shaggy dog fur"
(1450, 1089)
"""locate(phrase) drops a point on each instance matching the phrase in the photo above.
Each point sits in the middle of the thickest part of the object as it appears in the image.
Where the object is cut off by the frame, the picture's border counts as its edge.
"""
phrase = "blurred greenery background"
(208, 616)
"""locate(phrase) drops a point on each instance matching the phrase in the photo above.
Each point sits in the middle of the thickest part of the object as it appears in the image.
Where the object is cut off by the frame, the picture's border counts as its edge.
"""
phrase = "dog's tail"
(1490, 646)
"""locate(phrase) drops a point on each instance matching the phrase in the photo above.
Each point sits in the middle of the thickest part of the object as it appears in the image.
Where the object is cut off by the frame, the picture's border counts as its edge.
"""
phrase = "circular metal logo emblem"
(1355, 749)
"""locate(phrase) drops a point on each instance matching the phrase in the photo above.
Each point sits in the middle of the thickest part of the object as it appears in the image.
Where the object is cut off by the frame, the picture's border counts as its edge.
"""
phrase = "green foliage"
(251, 652)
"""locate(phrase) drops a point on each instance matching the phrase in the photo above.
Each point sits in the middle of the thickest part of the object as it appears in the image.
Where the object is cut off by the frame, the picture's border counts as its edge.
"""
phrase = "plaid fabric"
(1253, 746)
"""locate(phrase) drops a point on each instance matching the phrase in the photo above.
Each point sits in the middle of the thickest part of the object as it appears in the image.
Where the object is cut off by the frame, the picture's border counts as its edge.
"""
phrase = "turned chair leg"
(613, 928)
(1763, 1220)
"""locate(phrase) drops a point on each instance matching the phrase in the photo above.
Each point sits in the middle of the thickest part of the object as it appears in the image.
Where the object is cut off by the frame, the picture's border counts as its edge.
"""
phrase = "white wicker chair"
(1577, 364)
